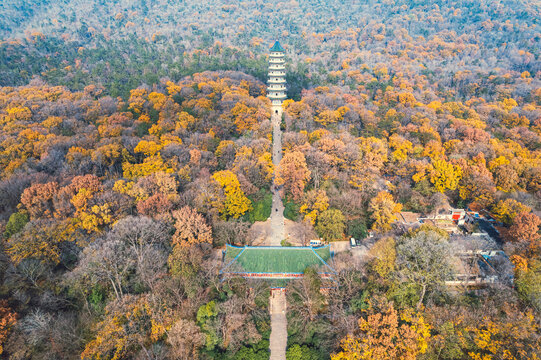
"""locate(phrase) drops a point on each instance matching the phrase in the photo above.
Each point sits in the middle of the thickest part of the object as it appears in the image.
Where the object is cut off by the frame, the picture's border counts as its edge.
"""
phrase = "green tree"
(424, 259)
(331, 225)
(16, 223)
(357, 229)
(259, 351)
(297, 352)
(206, 317)
(529, 285)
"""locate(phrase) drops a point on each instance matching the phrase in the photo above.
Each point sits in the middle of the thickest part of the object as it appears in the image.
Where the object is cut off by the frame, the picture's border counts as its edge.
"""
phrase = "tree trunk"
(423, 291)
(114, 288)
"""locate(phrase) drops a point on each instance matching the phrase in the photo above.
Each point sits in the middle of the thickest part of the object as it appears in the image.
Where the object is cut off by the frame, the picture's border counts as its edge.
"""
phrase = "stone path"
(277, 215)
(277, 303)
(278, 336)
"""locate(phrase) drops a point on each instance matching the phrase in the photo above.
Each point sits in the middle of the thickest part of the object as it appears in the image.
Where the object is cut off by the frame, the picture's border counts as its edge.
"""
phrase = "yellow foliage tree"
(264, 161)
(400, 146)
(40, 240)
(445, 175)
(244, 117)
(185, 121)
(137, 100)
(172, 88)
(384, 256)
(148, 148)
(388, 335)
(509, 338)
(157, 99)
(107, 154)
(95, 218)
(315, 202)
(383, 211)
(236, 203)
(128, 324)
(150, 165)
(130, 188)
(327, 117)
(506, 210)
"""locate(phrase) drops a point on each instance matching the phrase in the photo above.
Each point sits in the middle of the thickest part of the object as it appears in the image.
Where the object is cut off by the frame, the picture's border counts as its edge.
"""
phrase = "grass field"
(274, 259)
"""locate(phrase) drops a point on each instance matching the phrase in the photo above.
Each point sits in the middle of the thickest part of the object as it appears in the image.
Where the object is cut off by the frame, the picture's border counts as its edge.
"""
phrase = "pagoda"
(277, 77)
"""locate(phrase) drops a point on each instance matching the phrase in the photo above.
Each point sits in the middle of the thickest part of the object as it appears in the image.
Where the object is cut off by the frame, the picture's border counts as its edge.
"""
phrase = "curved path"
(277, 303)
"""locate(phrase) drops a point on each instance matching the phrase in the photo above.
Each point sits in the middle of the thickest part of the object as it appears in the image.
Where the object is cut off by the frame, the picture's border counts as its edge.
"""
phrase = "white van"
(315, 243)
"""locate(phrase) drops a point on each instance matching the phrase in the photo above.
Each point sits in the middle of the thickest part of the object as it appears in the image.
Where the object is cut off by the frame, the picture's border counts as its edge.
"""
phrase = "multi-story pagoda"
(277, 77)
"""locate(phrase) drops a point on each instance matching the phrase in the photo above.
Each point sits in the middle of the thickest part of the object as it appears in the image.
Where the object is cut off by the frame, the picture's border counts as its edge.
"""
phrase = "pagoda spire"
(276, 90)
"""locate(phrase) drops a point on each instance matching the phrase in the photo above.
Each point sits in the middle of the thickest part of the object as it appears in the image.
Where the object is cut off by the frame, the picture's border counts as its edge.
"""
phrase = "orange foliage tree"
(7, 320)
(38, 199)
(191, 228)
(525, 230)
(293, 173)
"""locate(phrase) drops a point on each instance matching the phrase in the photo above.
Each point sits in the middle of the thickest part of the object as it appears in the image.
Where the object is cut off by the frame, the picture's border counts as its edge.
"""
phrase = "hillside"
(137, 142)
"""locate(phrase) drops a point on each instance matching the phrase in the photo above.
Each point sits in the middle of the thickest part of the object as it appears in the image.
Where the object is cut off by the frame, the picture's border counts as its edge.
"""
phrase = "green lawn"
(274, 259)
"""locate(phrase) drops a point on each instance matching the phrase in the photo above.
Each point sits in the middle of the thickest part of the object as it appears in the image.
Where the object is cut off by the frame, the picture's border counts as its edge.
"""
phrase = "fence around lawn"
(273, 262)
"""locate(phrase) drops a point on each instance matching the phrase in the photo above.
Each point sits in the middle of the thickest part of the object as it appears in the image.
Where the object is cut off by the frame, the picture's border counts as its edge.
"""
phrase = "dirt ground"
(261, 230)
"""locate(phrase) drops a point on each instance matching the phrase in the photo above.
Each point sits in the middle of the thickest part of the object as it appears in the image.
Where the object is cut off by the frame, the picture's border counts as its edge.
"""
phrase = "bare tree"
(185, 338)
(303, 231)
(425, 259)
(146, 239)
(231, 232)
(107, 260)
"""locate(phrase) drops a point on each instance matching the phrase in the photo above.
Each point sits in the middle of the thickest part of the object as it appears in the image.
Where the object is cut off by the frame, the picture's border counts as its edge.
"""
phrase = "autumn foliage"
(7, 320)
(387, 335)
(293, 173)
(191, 228)
(135, 141)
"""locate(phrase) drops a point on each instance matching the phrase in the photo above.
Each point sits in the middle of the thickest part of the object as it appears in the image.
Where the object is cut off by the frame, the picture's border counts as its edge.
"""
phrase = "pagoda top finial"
(277, 47)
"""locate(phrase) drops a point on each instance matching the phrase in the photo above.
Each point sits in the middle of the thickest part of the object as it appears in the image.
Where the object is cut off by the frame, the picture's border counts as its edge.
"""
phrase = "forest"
(136, 143)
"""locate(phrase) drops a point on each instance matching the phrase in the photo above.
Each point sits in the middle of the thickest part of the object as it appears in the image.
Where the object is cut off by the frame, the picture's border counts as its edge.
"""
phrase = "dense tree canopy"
(136, 141)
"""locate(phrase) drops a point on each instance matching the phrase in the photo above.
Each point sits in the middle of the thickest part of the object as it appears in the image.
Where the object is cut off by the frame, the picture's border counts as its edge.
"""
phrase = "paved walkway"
(277, 303)
(277, 216)
(278, 336)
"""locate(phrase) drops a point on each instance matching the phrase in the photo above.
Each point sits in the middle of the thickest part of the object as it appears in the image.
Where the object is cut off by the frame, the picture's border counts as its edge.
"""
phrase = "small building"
(444, 224)
(472, 216)
(446, 219)
(408, 218)
(477, 268)
(457, 215)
